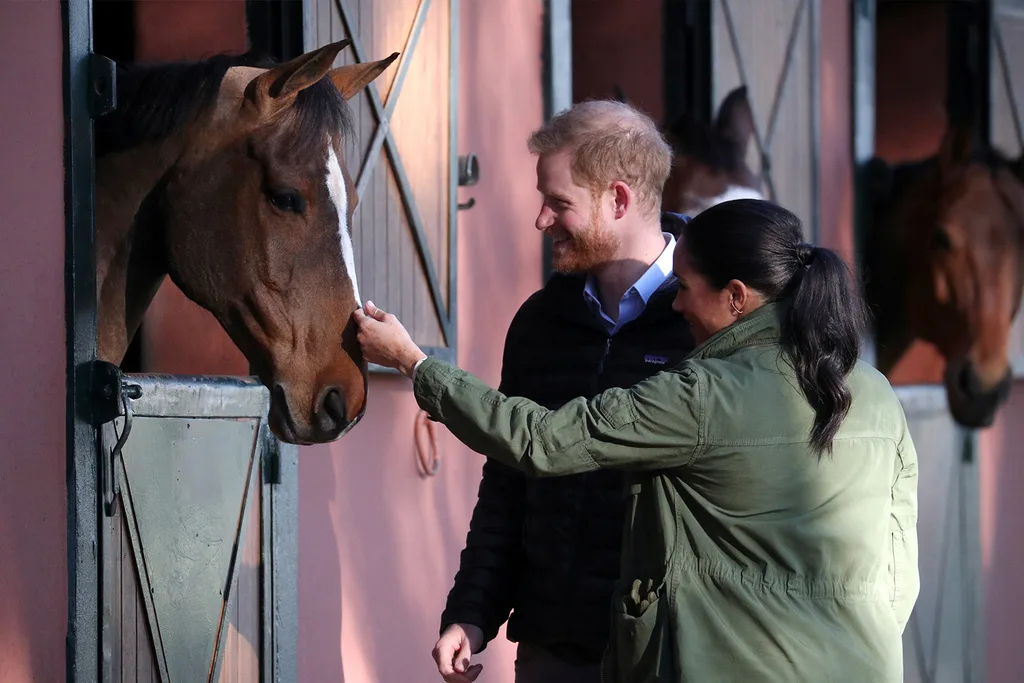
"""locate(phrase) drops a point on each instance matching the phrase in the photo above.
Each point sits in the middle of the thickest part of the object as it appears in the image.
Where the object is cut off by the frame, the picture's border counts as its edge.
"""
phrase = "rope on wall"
(428, 460)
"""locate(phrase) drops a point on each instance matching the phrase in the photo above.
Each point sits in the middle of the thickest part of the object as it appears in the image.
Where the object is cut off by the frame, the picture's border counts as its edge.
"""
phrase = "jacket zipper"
(607, 350)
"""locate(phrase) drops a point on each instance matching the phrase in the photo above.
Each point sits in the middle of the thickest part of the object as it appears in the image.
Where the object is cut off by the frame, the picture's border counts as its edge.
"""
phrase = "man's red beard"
(585, 250)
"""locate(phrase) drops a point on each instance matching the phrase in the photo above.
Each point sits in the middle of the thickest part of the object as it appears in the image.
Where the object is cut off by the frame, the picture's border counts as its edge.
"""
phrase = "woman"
(771, 533)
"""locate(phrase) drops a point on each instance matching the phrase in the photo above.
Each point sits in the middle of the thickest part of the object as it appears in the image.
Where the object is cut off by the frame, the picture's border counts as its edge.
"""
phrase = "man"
(547, 550)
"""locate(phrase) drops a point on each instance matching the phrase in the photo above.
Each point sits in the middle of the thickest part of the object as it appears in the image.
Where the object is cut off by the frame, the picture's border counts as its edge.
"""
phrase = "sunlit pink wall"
(33, 496)
(378, 544)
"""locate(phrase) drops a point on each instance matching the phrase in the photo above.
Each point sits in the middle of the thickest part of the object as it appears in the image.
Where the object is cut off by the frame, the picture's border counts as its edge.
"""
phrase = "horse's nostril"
(333, 408)
(279, 409)
(965, 379)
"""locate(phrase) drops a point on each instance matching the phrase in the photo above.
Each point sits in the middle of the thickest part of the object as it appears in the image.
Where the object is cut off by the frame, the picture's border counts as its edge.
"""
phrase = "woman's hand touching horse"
(385, 341)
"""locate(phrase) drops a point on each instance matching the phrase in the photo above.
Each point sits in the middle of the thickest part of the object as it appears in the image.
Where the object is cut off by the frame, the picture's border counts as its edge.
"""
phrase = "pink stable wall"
(378, 544)
(33, 494)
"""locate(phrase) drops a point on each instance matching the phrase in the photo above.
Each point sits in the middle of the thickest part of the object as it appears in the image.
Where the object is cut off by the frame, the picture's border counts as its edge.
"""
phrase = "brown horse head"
(249, 214)
(949, 259)
(709, 164)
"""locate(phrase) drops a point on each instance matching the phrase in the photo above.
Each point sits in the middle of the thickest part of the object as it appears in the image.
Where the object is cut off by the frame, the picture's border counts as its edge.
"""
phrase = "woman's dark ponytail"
(761, 244)
(822, 333)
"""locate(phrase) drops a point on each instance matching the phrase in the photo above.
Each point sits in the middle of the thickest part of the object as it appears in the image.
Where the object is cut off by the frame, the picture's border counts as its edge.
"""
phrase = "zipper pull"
(607, 350)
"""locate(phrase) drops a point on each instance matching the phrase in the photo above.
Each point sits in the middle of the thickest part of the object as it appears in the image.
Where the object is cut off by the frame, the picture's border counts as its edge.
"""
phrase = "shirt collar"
(660, 271)
(652, 279)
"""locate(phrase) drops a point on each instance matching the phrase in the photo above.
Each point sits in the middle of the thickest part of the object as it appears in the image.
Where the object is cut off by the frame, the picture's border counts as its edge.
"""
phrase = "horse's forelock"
(320, 112)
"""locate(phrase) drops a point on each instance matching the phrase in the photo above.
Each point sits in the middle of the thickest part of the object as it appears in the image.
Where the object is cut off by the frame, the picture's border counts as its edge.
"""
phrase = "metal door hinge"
(102, 85)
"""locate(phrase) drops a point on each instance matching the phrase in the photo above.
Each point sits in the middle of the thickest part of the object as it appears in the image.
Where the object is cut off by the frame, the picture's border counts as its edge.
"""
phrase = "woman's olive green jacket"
(746, 556)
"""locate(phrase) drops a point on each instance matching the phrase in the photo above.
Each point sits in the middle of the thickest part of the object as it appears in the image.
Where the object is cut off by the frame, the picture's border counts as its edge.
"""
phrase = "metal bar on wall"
(862, 98)
(83, 636)
(863, 86)
(557, 79)
(557, 56)
(814, 16)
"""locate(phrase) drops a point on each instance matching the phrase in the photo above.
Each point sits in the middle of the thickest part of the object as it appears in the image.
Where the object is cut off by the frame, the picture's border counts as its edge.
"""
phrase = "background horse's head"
(250, 217)
(956, 224)
(709, 163)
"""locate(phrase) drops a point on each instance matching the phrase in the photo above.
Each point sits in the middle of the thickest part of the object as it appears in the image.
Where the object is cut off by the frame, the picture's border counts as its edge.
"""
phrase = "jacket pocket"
(639, 650)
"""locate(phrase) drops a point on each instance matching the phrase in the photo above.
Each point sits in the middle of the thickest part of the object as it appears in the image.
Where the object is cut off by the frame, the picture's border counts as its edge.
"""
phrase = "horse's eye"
(286, 200)
(940, 240)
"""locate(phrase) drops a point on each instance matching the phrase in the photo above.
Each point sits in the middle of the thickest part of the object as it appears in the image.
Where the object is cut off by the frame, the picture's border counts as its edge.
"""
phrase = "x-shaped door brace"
(382, 138)
(764, 142)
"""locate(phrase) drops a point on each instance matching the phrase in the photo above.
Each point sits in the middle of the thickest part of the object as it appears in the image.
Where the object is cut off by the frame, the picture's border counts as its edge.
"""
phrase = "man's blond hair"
(608, 141)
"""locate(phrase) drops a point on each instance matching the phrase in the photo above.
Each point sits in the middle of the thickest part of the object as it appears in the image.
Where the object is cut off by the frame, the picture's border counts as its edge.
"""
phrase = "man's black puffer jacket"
(548, 549)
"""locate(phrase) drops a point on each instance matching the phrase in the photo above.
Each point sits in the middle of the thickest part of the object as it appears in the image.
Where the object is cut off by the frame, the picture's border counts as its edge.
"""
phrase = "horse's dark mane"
(988, 157)
(905, 173)
(155, 100)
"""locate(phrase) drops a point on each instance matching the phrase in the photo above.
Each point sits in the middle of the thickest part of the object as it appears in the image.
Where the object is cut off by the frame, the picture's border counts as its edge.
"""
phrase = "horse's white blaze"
(339, 197)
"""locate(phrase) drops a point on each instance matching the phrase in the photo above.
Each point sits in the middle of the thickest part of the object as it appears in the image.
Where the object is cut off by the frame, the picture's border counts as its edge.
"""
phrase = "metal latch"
(469, 175)
(113, 399)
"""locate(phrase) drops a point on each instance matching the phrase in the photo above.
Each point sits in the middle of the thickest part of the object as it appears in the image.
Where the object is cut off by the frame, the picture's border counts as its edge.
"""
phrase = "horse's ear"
(957, 145)
(735, 121)
(276, 88)
(352, 78)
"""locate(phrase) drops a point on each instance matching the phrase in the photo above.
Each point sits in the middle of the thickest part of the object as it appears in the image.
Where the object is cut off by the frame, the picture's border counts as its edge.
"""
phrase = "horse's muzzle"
(971, 404)
(328, 422)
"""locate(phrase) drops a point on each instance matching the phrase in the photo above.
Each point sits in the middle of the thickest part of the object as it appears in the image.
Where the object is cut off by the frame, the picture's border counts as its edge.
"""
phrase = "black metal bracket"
(271, 460)
(102, 85)
(108, 382)
(469, 175)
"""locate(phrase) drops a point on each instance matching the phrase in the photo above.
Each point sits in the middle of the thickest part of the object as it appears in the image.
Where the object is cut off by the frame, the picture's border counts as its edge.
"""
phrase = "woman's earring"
(736, 311)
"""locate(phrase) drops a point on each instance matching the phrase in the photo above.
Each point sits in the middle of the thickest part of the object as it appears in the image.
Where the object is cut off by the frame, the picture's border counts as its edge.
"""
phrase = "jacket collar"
(763, 326)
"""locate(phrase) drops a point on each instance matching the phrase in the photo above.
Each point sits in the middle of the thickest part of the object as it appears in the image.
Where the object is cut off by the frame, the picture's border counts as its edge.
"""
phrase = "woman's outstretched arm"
(653, 425)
